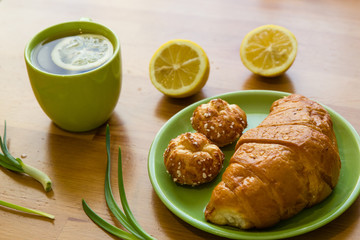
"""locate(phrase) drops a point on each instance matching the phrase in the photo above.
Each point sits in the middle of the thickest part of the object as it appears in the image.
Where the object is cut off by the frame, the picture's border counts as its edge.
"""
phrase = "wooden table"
(326, 69)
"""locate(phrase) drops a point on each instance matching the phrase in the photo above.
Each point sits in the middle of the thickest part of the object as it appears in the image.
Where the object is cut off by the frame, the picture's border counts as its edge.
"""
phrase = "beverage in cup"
(75, 73)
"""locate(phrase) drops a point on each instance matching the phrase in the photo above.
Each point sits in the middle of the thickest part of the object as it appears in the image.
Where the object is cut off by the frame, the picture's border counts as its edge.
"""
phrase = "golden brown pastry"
(192, 159)
(219, 121)
(288, 163)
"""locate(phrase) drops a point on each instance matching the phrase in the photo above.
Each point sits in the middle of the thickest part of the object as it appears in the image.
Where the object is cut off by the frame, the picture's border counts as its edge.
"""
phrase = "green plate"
(188, 203)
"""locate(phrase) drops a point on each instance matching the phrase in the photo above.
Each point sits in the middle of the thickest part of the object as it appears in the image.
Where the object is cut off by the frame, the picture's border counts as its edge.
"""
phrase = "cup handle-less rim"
(34, 41)
(86, 19)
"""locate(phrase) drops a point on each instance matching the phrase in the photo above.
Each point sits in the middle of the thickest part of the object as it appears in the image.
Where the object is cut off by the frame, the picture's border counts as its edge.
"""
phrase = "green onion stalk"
(17, 165)
(126, 218)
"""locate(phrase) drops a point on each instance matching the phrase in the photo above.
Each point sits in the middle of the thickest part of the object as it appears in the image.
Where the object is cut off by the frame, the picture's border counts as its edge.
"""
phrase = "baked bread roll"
(192, 159)
(219, 121)
(288, 163)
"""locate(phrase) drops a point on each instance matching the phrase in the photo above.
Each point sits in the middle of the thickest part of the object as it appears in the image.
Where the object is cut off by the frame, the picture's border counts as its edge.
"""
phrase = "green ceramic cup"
(78, 102)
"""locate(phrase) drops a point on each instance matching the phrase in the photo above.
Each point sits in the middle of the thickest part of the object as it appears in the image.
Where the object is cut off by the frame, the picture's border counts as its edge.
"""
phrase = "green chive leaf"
(125, 204)
(109, 195)
(26, 210)
(127, 219)
(105, 225)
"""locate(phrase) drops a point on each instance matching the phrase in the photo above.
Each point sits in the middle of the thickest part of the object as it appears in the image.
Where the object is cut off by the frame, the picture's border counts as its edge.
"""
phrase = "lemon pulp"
(268, 50)
(82, 52)
(179, 68)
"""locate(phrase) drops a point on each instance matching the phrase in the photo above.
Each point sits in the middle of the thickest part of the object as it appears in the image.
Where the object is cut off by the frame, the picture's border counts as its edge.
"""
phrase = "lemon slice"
(82, 52)
(268, 50)
(179, 68)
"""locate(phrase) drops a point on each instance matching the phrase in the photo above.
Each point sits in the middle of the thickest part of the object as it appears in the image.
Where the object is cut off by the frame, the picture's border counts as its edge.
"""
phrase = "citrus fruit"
(82, 52)
(268, 50)
(179, 68)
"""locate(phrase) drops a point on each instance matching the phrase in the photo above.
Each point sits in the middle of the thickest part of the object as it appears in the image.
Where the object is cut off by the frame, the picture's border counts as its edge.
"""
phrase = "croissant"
(287, 163)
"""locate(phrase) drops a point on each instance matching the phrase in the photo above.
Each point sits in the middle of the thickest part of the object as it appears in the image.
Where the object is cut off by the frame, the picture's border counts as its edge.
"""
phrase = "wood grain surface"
(326, 69)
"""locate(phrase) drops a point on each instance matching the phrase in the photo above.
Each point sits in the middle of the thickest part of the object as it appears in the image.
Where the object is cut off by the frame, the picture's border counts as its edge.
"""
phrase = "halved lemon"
(179, 68)
(268, 50)
(82, 52)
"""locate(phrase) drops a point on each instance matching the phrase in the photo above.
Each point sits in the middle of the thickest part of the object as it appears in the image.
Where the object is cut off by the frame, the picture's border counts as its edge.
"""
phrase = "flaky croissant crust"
(289, 162)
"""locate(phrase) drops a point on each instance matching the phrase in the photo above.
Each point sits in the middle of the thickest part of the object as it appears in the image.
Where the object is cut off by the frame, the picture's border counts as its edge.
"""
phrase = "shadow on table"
(168, 106)
(281, 83)
(78, 159)
(173, 233)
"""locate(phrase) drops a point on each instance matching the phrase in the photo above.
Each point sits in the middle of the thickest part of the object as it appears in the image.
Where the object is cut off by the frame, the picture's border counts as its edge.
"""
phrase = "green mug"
(82, 101)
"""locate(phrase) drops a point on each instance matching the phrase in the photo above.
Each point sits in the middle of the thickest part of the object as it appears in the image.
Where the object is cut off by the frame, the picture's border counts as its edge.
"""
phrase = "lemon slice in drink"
(179, 68)
(82, 52)
(268, 50)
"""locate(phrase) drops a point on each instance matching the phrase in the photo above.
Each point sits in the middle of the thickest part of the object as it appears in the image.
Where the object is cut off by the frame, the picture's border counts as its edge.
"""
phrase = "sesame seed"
(207, 114)
(204, 175)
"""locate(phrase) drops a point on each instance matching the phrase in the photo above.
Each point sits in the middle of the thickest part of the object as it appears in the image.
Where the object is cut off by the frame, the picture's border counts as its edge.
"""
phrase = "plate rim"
(215, 230)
